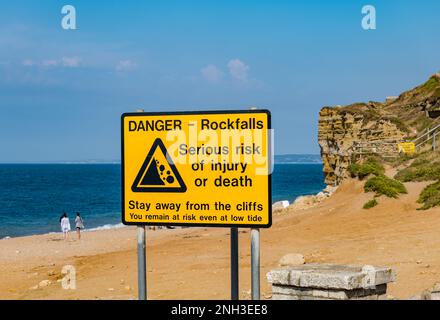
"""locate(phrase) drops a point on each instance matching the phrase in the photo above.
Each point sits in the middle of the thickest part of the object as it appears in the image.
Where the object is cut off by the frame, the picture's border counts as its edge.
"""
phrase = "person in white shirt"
(65, 225)
(79, 224)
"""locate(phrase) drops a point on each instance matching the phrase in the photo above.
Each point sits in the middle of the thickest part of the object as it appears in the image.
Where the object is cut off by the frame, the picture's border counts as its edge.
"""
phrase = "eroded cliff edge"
(375, 127)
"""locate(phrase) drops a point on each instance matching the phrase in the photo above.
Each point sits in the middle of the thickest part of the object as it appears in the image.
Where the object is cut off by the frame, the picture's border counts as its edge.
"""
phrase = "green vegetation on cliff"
(420, 170)
(379, 183)
(361, 138)
(369, 166)
(430, 86)
(430, 196)
(382, 185)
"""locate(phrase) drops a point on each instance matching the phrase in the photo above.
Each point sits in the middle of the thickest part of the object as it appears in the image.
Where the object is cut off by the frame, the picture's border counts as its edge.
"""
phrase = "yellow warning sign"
(197, 168)
(407, 147)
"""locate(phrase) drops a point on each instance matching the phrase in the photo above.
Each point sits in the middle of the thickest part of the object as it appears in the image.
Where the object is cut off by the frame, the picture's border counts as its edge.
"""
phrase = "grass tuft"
(370, 204)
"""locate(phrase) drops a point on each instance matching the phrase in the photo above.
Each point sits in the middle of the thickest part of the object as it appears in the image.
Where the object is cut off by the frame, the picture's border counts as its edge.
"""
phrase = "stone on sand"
(292, 259)
(44, 283)
(280, 205)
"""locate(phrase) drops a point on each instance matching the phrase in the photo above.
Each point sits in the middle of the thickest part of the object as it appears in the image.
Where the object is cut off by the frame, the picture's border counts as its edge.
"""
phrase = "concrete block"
(332, 282)
(329, 293)
(377, 275)
(435, 295)
(277, 296)
(327, 276)
(279, 276)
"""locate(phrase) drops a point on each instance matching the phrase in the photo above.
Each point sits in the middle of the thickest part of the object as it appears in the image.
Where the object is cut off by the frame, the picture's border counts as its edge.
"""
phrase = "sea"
(33, 196)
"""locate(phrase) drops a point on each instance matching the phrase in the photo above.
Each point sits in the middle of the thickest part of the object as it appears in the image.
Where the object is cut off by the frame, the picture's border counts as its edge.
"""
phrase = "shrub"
(420, 170)
(382, 185)
(430, 196)
(430, 85)
(420, 162)
(370, 166)
(370, 204)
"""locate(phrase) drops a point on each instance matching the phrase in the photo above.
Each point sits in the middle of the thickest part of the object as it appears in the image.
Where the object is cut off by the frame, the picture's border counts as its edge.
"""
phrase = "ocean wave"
(107, 227)
(299, 162)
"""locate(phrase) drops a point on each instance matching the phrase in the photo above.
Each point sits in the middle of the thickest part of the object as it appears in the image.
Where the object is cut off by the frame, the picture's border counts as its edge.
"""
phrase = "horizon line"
(119, 161)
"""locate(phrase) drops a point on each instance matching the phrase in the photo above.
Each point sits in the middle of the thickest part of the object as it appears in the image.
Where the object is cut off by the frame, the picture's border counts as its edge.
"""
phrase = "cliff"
(345, 133)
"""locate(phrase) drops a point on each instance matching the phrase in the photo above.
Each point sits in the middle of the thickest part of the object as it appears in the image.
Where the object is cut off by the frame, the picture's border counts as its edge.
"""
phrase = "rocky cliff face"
(342, 133)
(364, 128)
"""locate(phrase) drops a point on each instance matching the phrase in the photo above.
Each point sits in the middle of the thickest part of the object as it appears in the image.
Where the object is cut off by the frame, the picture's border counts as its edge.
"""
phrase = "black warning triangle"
(158, 172)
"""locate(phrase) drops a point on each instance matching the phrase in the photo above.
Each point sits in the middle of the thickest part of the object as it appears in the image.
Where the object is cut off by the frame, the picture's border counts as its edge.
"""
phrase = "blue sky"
(62, 92)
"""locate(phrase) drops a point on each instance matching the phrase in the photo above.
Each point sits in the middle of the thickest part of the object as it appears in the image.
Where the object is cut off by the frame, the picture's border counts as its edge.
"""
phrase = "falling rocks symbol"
(158, 172)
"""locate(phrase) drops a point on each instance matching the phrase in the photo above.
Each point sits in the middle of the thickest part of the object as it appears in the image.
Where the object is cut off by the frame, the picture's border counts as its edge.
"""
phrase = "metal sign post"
(234, 264)
(142, 257)
(142, 262)
(255, 263)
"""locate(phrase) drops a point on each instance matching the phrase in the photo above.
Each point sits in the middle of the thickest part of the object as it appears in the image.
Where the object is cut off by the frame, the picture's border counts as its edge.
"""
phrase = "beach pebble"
(292, 259)
(17, 251)
(34, 287)
(51, 273)
(44, 283)
(246, 294)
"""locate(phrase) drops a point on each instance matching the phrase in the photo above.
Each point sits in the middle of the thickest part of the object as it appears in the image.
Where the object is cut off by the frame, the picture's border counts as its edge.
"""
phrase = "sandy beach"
(193, 263)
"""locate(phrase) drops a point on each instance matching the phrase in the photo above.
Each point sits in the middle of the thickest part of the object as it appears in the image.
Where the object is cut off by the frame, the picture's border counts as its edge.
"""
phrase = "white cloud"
(50, 63)
(238, 70)
(212, 73)
(28, 63)
(68, 62)
(125, 65)
(71, 62)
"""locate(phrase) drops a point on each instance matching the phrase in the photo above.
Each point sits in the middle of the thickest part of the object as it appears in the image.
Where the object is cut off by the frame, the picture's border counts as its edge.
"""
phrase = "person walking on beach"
(65, 225)
(79, 223)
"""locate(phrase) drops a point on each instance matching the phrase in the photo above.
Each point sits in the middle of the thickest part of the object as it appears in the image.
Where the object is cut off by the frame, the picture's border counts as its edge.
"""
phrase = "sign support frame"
(234, 234)
(234, 265)
(255, 264)
(142, 257)
(142, 262)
